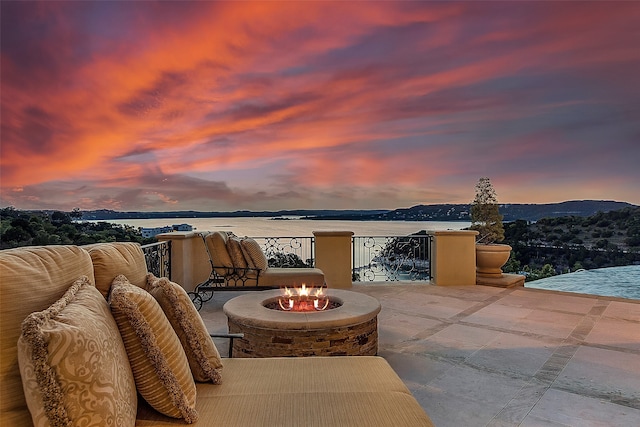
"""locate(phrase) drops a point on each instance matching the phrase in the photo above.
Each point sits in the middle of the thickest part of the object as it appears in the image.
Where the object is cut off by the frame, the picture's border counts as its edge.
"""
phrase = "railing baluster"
(288, 251)
(158, 258)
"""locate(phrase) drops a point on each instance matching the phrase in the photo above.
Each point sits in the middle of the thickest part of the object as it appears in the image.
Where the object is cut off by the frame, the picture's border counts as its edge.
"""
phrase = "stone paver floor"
(483, 356)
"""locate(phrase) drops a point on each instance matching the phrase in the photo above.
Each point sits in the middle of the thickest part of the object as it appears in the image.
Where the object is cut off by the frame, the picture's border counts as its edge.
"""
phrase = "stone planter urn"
(490, 259)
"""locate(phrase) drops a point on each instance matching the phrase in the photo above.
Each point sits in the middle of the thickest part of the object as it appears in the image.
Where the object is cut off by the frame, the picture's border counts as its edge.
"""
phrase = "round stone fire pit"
(348, 330)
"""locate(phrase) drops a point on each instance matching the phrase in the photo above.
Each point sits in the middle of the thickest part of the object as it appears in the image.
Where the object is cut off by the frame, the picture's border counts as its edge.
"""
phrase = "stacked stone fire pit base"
(348, 330)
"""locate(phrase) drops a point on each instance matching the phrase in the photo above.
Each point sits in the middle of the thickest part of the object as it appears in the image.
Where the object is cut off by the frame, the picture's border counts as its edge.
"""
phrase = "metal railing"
(391, 258)
(158, 258)
(288, 252)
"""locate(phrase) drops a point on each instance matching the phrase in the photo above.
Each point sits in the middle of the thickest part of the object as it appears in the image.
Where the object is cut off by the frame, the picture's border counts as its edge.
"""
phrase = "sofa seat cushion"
(74, 367)
(328, 409)
(112, 259)
(322, 391)
(276, 277)
(32, 278)
(159, 364)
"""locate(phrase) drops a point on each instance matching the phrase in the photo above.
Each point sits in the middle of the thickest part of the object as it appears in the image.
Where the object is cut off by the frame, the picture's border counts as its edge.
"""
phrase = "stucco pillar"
(334, 256)
(189, 259)
(453, 257)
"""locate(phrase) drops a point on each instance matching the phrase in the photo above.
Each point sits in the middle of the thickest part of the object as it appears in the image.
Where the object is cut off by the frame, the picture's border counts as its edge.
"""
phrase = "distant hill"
(605, 239)
(440, 212)
(511, 212)
(106, 214)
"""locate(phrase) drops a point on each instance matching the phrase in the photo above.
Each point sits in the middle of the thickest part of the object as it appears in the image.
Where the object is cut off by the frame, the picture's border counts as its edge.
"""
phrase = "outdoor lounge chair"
(240, 264)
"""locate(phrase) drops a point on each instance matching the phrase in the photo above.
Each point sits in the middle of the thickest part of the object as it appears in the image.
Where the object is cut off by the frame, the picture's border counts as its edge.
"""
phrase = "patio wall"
(453, 254)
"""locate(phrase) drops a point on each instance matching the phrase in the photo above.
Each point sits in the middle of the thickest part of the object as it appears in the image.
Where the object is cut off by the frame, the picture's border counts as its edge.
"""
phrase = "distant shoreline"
(440, 212)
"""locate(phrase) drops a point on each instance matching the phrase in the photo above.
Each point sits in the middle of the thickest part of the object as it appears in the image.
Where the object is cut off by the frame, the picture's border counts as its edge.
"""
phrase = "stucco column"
(189, 259)
(453, 257)
(334, 256)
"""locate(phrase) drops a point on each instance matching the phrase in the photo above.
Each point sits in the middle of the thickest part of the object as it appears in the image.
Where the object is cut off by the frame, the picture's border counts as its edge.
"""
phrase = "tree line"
(27, 228)
(553, 246)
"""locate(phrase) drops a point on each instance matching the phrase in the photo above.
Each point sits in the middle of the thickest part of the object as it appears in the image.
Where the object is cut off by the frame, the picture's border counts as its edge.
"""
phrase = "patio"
(484, 356)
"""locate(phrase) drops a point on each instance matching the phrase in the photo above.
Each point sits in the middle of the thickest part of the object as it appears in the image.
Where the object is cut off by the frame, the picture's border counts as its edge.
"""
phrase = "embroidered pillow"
(253, 254)
(73, 363)
(159, 364)
(202, 354)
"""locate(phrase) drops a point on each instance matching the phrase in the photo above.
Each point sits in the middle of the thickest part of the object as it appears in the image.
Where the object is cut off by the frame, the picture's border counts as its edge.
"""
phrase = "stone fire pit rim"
(249, 310)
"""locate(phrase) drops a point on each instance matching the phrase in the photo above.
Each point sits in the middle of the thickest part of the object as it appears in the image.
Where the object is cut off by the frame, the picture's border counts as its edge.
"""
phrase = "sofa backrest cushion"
(112, 259)
(31, 279)
(71, 356)
(235, 252)
(253, 254)
(217, 246)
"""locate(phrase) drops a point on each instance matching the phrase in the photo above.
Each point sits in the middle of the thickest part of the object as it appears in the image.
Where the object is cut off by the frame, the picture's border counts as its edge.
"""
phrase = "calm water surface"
(294, 227)
(623, 282)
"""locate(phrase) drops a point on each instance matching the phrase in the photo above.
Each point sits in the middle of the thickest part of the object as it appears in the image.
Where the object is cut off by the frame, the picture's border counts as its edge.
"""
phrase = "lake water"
(623, 282)
(295, 227)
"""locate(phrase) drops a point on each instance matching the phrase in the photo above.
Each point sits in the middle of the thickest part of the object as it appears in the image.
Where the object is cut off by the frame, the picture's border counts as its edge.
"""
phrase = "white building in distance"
(148, 232)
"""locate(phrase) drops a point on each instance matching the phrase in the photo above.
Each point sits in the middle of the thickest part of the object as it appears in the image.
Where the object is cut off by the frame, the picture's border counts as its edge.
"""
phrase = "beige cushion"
(217, 246)
(235, 252)
(73, 363)
(32, 279)
(158, 361)
(112, 259)
(253, 254)
(201, 352)
(304, 391)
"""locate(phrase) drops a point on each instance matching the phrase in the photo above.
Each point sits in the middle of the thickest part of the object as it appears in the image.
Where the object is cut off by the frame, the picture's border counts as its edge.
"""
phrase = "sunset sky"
(219, 106)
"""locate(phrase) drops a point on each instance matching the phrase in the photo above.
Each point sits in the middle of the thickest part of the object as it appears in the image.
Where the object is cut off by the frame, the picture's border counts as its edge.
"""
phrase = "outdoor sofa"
(75, 361)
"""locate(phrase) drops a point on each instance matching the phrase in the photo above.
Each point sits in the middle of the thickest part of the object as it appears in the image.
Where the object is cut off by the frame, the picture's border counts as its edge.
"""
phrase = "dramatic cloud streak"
(275, 105)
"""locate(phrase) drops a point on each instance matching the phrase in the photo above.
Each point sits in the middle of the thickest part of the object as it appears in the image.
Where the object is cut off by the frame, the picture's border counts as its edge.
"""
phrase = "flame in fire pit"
(303, 299)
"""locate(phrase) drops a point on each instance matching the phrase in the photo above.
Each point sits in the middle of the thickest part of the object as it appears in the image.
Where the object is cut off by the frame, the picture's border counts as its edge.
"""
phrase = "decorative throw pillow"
(203, 356)
(217, 246)
(235, 252)
(73, 363)
(159, 364)
(253, 254)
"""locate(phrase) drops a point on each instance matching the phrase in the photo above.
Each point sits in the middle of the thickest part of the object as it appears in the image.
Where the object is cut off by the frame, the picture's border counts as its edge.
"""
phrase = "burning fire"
(303, 299)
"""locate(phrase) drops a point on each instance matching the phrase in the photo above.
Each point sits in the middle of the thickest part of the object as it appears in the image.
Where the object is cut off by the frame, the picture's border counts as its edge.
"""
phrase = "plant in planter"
(487, 221)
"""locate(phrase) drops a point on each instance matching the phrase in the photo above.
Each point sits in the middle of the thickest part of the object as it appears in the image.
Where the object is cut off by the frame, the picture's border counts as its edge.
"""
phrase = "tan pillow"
(74, 367)
(217, 245)
(235, 252)
(203, 356)
(159, 364)
(253, 254)
(111, 259)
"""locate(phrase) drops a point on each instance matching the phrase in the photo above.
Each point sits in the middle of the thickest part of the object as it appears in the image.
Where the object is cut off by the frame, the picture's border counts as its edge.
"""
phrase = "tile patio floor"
(483, 356)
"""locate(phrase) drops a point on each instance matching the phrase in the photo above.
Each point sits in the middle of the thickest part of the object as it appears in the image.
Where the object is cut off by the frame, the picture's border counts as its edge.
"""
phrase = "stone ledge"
(506, 281)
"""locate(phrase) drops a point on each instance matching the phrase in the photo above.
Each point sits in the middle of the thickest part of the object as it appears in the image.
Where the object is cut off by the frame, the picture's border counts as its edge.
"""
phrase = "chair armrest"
(231, 338)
